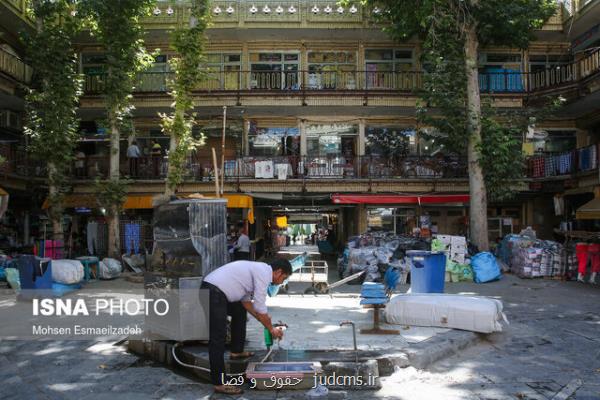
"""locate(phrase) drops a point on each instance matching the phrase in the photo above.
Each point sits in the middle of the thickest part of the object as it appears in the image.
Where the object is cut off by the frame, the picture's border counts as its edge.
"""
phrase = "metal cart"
(314, 272)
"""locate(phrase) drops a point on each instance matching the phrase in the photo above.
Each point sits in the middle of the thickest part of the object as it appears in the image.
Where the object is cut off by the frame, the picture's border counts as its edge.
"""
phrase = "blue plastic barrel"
(427, 271)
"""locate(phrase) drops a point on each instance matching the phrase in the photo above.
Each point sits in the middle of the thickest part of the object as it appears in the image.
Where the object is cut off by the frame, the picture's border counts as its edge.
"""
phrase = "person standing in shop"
(242, 246)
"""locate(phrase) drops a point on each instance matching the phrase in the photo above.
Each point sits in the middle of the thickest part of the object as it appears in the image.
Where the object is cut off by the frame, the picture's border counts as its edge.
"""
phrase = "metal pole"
(216, 166)
(223, 148)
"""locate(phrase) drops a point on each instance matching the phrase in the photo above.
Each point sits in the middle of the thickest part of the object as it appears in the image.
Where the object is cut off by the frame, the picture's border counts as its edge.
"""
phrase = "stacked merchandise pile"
(570, 269)
(532, 258)
(376, 252)
(526, 262)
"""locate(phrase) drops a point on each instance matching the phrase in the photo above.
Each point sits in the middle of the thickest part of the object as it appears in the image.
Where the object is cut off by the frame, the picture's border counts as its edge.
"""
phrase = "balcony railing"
(284, 167)
(548, 165)
(310, 82)
(14, 67)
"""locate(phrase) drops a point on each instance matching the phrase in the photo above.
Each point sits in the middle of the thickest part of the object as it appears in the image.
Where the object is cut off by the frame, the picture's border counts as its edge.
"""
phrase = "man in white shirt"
(133, 153)
(234, 289)
(242, 246)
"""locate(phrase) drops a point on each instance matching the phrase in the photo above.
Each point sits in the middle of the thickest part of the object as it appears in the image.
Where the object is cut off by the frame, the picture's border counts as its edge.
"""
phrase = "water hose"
(194, 366)
(208, 369)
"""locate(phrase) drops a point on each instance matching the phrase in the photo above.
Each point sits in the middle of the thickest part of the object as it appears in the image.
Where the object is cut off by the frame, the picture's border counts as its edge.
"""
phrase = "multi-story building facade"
(310, 89)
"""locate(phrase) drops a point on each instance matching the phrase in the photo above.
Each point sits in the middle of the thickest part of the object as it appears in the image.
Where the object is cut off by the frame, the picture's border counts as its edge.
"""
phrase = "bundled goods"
(528, 257)
(109, 268)
(67, 271)
(375, 252)
(477, 314)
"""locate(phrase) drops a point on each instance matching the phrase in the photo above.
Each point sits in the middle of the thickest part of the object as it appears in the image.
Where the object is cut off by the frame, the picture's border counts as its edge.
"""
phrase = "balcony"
(14, 67)
(154, 168)
(362, 83)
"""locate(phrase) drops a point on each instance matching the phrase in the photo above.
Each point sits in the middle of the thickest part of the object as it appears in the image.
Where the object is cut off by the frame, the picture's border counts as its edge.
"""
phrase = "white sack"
(109, 268)
(477, 314)
(67, 271)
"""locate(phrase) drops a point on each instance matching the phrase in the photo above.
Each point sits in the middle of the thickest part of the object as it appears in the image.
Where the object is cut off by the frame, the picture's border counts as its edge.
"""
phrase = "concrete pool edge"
(419, 355)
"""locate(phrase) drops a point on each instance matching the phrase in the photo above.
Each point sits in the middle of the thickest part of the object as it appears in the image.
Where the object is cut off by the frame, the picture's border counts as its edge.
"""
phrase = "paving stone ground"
(551, 348)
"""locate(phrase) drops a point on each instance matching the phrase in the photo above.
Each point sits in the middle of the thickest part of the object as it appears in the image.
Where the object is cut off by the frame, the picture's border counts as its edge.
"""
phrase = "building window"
(331, 70)
(549, 69)
(271, 141)
(93, 64)
(396, 220)
(223, 71)
(274, 70)
(390, 69)
(331, 140)
(390, 141)
(500, 72)
(556, 141)
(154, 79)
(542, 62)
(93, 68)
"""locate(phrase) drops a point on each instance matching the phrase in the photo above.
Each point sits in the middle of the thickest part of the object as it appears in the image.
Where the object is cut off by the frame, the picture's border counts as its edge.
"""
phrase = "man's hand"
(277, 333)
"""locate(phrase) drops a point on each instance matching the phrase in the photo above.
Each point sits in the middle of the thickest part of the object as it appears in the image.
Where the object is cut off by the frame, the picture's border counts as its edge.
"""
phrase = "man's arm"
(264, 319)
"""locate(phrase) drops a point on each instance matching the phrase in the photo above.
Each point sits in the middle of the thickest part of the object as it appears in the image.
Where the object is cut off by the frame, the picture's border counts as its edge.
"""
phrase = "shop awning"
(75, 200)
(3, 192)
(240, 201)
(590, 210)
(398, 199)
(134, 202)
(137, 202)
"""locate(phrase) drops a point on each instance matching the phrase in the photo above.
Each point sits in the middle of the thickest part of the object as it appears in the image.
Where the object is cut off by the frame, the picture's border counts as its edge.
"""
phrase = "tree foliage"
(111, 194)
(52, 99)
(441, 25)
(188, 42)
(118, 29)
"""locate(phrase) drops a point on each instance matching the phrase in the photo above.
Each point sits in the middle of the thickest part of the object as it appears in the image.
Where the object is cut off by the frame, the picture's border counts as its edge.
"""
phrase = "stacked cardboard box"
(456, 247)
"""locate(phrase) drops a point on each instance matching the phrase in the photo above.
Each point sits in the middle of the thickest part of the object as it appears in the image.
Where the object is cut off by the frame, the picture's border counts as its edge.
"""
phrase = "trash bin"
(427, 271)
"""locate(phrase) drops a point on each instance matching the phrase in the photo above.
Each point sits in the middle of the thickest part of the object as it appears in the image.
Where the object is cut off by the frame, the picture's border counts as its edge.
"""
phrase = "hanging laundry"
(132, 238)
(559, 205)
(549, 166)
(538, 167)
(92, 238)
(565, 163)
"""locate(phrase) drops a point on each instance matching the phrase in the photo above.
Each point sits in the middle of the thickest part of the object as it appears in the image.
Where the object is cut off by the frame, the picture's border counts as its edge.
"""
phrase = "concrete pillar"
(361, 216)
(361, 137)
(245, 78)
(26, 227)
(583, 138)
(245, 145)
(303, 146)
(360, 81)
(528, 208)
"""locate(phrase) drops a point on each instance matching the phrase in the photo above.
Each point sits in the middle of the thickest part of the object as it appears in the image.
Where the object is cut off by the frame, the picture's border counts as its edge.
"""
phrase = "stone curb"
(425, 353)
(419, 355)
